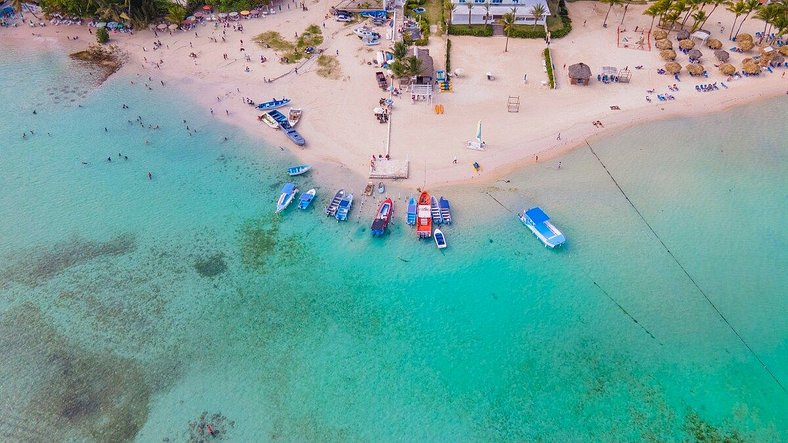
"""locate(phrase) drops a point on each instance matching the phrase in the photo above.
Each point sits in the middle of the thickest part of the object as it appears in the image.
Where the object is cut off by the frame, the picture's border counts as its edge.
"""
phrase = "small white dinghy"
(440, 239)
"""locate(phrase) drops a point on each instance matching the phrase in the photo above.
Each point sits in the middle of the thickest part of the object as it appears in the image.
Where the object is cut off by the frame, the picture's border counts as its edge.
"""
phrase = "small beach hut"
(695, 69)
(579, 74)
(743, 36)
(751, 68)
(668, 54)
(686, 44)
(745, 45)
(694, 54)
(673, 67)
(777, 61)
(664, 44)
(683, 34)
(713, 43)
(721, 55)
(727, 68)
(660, 34)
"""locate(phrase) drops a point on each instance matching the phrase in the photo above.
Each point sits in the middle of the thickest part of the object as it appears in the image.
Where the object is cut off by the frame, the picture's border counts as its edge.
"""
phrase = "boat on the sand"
(344, 207)
(411, 220)
(445, 210)
(435, 211)
(273, 104)
(284, 125)
(268, 120)
(294, 116)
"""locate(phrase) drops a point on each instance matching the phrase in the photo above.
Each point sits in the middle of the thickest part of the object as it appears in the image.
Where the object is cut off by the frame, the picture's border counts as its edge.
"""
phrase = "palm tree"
(611, 3)
(538, 11)
(781, 24)
(690, 7)
(486, 11)
(400, 50)
(768, 14)
(698, 16)
(737, 9)
(672, 17)
(508, 24)
(749, 5)
(716, 4)
(652, 11)
(470, 8)
(412, 65)
(626, 6)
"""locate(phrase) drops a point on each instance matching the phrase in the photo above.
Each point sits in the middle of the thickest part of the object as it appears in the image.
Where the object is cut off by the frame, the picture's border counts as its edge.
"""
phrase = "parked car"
(344, 18)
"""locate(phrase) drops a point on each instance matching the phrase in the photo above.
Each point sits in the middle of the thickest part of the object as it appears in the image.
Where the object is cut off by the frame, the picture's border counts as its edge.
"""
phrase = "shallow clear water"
(129, 306)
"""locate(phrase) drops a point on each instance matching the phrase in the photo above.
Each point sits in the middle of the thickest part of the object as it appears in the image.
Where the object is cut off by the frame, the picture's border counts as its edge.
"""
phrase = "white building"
(482, 11)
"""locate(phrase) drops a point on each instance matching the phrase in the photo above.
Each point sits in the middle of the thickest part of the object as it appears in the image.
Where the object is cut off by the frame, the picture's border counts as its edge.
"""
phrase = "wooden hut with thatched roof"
(673, 67)
(751, 68)
(695, 69)
(686, 44)
(727, 69)
(743, 36)
(745, 45)
(668, 54)
(579, 74)
(660, 34)
(713, 43)
(664, 44)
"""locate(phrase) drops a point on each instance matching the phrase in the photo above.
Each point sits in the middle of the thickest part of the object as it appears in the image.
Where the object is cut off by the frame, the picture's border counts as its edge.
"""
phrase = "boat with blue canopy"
(289, 192)
(306, 198)
(411, 211)
(273, 104)
(344, 207)
(445, 210)
(539, 223)
(298, 170)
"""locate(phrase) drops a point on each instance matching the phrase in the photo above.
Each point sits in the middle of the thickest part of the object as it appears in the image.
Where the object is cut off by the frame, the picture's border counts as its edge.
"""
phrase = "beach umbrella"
(686, 44)
(695, 69)
(664, 44)
(682, 35)
(777, 60)
(161, 27)
(245, 13)
(673, 67)
(222, 15)
(198, 14)
(255, 12)
(721, 55)
(751, 68)
(784, 50)
(743, 36)
(233, 14)
(660, 34)
(189, 18)
(173, 27)
(377, 110)
(207, 8)
(694, 54)
(727, 68)
(101, 25)
(668, 54)
(713, 43)
(745, 45)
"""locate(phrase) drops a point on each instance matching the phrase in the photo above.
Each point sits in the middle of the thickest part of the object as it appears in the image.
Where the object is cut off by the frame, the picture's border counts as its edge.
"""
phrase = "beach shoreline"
(342, 135)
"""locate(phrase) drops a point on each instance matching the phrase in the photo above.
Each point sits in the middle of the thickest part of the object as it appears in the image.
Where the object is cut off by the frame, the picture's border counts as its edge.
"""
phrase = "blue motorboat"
(306, 199)
(435, 211)
(344, 207)
(411, 211)
(289, 192)
(440, 239)
(273, 104)
(445, 210)
(298, 170)
(284, 125)
(539, 223)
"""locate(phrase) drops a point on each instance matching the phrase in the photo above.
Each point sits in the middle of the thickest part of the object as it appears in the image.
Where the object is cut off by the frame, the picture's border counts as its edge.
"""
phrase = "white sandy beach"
(342, 133)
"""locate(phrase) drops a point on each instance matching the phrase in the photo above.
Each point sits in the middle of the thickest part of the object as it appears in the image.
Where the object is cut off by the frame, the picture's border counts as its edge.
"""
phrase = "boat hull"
(331, 209)
(306, 199)
(545, 231)
(440, 239)
(424, 216)
(383, 217)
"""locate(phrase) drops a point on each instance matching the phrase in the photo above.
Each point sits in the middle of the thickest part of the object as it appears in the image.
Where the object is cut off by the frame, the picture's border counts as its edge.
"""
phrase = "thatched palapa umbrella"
(777, 60)
(694, 54)
(747, 60)
(784, 50)
(713, 43)
(686, 44)
(695, 69)
(745, 45)
(743, 36)
(727, 68)
(660, 34)
(721, 55)
(751, 68)
(682, 34)
(668, 54)
(664, 44)
(673, 67)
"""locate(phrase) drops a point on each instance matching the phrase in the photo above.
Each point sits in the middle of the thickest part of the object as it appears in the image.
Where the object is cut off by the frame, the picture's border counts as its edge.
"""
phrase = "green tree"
(716, 4)
(611, 3)
(508, 24)
(538, 11)
(400, 50)
(749, 6)
(412, 65)
(470, 8)
(652, 11)
(698, 16)
(102, 36)
(176, 13)
(768, 14)
(398, 68)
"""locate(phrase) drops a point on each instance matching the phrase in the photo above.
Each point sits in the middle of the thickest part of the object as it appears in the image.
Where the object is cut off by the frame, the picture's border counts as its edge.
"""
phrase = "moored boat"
(411, 220)
(440, 239)
(381, 188)
(423, 216)
(294, 116)
(539, 223)
(368, 189)
(435, 211)
(284, 125)
(273, 104)
(331, 209)
(445, 210)
(268, 120)
(298, 170)
(289, 192)
(344, 207)
(382, 217)
(306, 198)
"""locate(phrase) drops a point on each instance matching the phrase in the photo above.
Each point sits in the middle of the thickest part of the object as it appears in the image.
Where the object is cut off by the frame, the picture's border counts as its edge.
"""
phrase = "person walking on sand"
(559, 136)
(455, 160)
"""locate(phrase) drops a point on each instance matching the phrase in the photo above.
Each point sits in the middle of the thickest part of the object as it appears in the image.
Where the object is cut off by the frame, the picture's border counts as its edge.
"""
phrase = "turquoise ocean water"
(128, 306)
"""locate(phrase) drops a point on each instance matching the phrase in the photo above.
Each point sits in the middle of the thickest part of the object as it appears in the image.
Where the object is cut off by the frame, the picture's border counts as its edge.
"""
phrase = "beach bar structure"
(579, 74)
(479, 12)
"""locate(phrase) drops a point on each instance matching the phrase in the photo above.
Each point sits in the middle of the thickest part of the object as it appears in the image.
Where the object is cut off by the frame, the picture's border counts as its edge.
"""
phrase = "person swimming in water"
(150, 176)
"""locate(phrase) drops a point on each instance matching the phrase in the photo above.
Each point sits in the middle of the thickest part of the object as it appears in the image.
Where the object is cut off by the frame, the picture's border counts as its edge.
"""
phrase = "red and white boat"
(382, 217)
(424, 216)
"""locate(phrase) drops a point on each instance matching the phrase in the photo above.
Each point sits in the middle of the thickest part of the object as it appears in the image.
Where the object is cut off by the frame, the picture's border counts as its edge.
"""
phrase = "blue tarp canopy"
(379, 14)
(7, 10)
(537, 215)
